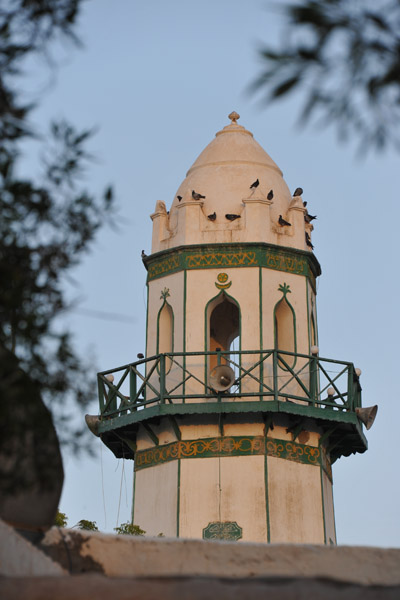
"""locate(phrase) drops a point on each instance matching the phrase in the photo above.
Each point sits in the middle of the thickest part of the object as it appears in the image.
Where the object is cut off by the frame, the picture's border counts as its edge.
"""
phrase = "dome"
(227, 167)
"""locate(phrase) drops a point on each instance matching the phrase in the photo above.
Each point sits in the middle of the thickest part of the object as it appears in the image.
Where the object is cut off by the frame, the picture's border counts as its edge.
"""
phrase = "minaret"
(232, 418)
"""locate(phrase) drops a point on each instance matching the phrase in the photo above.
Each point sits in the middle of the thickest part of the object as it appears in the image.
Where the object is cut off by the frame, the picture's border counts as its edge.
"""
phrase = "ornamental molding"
(288, 260)
(232, 446)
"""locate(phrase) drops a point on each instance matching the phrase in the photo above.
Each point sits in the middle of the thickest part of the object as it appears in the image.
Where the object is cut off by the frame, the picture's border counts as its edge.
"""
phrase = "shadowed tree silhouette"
(47, 222)
(345, 58)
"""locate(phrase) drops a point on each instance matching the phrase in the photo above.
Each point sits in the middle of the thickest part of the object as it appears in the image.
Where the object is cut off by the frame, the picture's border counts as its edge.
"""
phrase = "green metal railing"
(181, 377)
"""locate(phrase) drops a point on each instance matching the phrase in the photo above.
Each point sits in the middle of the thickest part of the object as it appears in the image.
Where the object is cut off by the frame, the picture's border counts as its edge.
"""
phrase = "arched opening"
(223, 318)
(285, 329)
(165, 332)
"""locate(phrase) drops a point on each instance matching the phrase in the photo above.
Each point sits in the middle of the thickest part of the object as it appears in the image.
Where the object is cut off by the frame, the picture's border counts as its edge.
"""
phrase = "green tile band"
(231, 446)
(289, 260)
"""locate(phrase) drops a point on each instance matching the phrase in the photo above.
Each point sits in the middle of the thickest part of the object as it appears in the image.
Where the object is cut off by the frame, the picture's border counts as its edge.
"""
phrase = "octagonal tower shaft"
(232, 418)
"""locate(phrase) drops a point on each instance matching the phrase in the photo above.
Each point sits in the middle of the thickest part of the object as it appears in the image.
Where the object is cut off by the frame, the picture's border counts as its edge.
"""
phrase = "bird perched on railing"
(298, 192)
(140, 355)
(283, 223)
(196, 196)
(232, 217)
(212, 217)
(308, 241)
(270, 195)
(255, 184)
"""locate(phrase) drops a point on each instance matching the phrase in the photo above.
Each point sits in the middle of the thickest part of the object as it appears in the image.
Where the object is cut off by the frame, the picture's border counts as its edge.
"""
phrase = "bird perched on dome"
(270, 194)
(283, 223)
(255, 184)
(232, 217)
(144, 255)
(308, 241)
(212, 217)
(196, 196)
(308, 218)
(298, 192)
(179, 198)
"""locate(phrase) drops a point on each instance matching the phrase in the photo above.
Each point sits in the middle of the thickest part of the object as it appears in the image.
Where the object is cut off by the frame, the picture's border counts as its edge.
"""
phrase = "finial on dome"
(234, 117)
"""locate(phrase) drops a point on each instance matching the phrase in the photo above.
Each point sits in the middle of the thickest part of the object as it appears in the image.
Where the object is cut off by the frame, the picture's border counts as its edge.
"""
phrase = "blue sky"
(158, 79)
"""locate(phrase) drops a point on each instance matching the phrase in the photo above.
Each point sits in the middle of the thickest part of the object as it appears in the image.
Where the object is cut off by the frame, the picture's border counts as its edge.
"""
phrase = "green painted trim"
(184, 329)
(270, 406)
(323, 501)
(316, 320)
(178, 500)
(308, 317)
(147, 317)
(260, 300)
(267, 498)
(133, 495)
(211, 256)
(147, 331)
(284, 299)
(227, 447)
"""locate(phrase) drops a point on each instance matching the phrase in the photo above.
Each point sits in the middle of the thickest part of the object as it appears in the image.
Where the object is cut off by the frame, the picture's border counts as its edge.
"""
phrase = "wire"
(102, 483)
(120, 490)
(105, 316)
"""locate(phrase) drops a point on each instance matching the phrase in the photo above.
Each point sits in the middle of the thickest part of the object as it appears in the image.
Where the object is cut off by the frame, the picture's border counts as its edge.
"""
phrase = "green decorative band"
(270, 256)
(228, 446)
(222, 530)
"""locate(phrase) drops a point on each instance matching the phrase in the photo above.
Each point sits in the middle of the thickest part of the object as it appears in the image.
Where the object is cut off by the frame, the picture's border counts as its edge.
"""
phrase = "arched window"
(222, 325)
(285, 326)
(165, 332)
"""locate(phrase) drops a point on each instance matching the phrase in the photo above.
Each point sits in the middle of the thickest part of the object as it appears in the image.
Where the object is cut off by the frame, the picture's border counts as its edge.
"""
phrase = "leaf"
(285, 87)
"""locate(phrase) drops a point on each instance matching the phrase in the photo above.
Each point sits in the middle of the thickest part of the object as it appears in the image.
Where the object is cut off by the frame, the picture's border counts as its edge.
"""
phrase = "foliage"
(345, 56)
(47, 222)
(61, 519)
(129, 529)
(87, 525)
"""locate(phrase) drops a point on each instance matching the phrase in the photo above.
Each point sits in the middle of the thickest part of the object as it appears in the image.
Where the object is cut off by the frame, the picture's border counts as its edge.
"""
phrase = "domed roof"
(227, 167)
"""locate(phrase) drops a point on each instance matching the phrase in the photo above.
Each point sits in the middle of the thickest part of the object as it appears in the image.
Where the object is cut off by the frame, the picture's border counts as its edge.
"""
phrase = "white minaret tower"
(232, 418)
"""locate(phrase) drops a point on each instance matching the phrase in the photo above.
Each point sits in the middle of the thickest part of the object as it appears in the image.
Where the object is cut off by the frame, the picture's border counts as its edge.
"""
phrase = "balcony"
(267, 382)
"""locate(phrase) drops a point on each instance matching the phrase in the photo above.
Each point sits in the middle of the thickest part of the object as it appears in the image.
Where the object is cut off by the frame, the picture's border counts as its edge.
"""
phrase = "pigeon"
(196, 196)
(212, 217)
(304, 203)
(308, 241)
(270, 195)
(308, 218)
(255, 184)
(140, 356)
(298, 192)
(179, 198)
(282, 222)
(144, 255)
(232, 217)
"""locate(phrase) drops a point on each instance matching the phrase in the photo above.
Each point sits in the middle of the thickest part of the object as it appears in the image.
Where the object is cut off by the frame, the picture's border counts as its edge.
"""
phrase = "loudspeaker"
(367, 415)
(222, 378)
(92, 421)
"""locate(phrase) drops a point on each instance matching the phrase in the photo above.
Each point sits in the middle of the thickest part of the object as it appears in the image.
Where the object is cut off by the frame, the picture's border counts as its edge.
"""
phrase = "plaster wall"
(223, 489)
(155, 502)
(329, 513)
(199, 498)
(295, 502)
